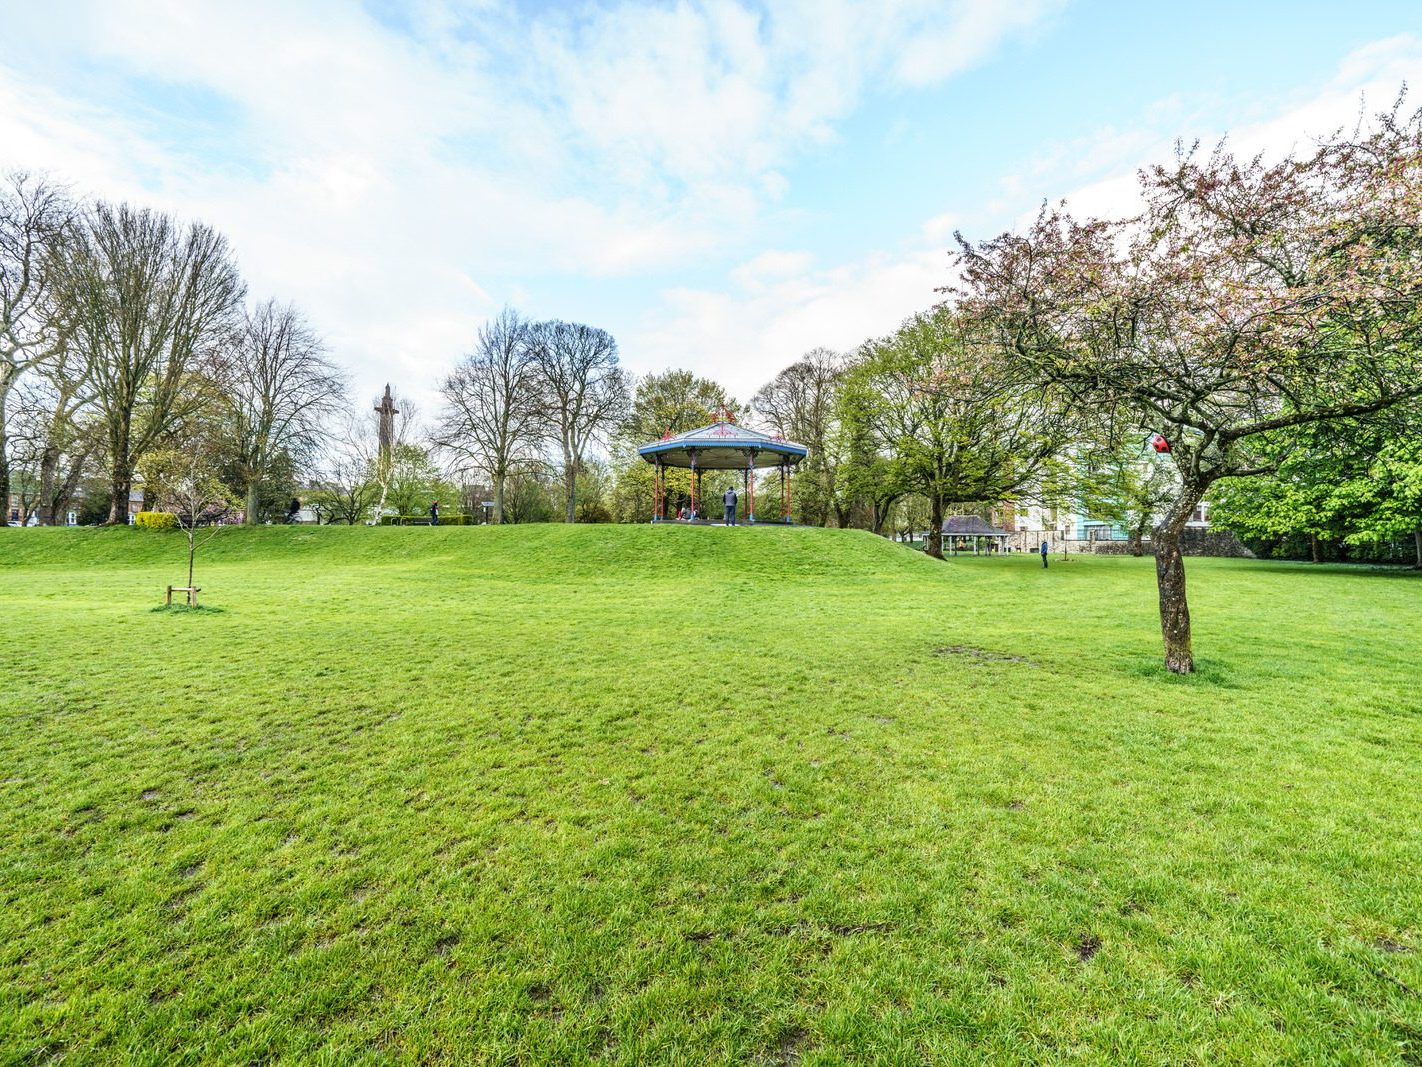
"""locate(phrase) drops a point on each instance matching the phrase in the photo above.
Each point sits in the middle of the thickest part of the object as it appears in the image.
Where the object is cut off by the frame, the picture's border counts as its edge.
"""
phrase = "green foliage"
(1354, 484)
(156, 520)
(933, 410)
(673, 402)
(593, 511)
(662, 794)
(532, 494)
(595, 485)
(419, 520)
(668, 403)
(1122, 482)
(415, 481)
(347, 499)
(94, 508)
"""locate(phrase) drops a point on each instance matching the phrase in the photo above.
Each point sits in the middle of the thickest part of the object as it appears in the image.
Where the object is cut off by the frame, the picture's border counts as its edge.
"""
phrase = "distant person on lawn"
(729, 499)
(434, 513)
(1043, 550)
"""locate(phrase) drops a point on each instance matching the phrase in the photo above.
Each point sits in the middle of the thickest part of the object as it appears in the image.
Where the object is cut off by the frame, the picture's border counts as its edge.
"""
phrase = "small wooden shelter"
(958, 528)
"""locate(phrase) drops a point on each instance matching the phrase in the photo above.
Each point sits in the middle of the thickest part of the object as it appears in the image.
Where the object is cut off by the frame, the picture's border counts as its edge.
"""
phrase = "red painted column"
(750, 488)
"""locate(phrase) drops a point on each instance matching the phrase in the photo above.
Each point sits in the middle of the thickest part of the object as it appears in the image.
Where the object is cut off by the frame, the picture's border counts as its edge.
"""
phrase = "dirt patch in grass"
(1087, 946)
(445, 945)
(982, 655)
(789, 1046)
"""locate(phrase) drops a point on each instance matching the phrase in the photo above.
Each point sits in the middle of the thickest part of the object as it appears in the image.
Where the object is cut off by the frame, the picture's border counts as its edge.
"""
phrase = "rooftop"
(723, 445)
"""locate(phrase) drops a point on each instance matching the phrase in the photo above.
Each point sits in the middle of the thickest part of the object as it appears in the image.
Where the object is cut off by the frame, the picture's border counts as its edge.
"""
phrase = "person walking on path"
(434, 513)
(1043, 550)
(729, 498)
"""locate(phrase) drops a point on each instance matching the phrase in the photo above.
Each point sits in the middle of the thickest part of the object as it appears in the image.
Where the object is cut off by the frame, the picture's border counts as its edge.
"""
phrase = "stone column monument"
(388, 411)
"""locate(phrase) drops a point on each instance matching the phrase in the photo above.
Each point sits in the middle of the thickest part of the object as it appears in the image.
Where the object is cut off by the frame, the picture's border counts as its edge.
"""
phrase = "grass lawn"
(550, 794)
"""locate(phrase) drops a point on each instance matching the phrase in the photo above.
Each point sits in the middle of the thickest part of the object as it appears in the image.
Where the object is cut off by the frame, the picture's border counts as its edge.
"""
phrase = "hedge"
(424, 520)
(156, 520)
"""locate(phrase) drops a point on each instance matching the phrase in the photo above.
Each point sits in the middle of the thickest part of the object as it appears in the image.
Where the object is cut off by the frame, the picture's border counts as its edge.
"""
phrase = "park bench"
(191, 590)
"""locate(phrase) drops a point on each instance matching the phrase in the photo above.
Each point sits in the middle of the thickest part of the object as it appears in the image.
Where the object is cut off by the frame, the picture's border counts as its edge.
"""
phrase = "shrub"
(424, 520)
(156, 520)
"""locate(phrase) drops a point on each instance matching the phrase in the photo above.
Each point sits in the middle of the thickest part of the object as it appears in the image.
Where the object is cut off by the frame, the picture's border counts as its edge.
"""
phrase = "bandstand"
(722, 446)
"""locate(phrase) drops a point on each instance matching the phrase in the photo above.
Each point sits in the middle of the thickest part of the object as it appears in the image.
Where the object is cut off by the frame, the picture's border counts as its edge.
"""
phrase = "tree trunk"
(1137, 540)
(120, 482)
(7, 376)
(1313, 547)
(570, 487)
(249, 518)
(1417, 535)
(1170, 580)
(4, 479)
(498, 515)
(934, 547)
(64, 495)
(49, 465)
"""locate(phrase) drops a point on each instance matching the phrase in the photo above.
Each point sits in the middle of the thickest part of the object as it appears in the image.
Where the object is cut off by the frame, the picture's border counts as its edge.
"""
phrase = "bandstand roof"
(723, 446)
(970, 526)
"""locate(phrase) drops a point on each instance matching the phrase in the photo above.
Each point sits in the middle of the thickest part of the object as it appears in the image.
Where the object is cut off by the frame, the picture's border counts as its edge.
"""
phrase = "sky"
(721, 185)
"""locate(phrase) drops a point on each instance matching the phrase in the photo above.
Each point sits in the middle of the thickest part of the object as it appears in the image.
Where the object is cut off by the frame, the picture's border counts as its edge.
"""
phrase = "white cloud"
(783, 305)
(1105, 162)
(402, 182)
(395, 181)
(939, 229)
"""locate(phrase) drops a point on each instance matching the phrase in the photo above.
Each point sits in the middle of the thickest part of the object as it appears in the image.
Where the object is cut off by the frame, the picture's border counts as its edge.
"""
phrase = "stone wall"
(1193, 542)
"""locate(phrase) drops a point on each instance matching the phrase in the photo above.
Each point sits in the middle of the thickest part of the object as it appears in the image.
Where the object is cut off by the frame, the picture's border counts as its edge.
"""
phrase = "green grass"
(551, 795)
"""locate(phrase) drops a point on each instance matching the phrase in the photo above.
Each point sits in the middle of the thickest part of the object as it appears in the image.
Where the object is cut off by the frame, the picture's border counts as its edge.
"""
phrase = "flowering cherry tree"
(1247, 297)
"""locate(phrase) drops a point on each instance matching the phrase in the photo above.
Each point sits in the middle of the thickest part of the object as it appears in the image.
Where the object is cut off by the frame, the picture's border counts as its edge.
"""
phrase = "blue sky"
(722, 185)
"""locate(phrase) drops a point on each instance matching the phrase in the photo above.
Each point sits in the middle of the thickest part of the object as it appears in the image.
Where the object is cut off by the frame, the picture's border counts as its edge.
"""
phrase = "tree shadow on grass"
(183, 609)
(1300, 568)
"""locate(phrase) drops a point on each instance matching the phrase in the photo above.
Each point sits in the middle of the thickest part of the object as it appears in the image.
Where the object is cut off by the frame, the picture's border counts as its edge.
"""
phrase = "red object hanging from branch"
(1159, 443)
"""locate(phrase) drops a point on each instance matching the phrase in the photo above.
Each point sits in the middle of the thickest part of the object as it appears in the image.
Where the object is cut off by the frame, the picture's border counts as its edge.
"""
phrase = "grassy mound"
(551, 794)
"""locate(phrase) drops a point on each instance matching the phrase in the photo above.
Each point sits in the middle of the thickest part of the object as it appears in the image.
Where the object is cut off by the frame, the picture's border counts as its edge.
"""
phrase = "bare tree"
(34, 218)
(279, 394)
(584, 394)
(151, 304)
(800, 403)
(491, 415)
(347, 487)
(54, 416)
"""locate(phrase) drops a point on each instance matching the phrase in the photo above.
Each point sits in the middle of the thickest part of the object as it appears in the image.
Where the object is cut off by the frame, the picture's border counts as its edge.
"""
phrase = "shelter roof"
(970, 526)
(723, 446)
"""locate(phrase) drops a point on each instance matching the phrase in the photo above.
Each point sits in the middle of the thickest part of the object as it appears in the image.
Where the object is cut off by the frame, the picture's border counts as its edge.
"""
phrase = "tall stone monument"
(388, 411)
